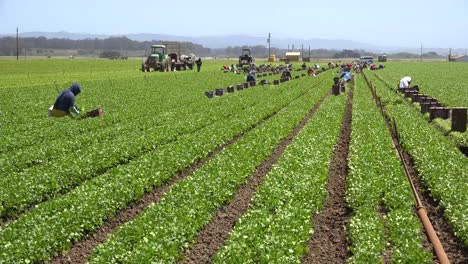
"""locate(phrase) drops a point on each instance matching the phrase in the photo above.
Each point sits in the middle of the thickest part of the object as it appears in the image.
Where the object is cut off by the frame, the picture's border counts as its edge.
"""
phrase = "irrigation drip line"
(393, 129)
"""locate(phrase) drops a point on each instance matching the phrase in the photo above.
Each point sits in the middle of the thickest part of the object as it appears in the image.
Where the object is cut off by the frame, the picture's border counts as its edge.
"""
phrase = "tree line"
(87, 46)
(40, 46)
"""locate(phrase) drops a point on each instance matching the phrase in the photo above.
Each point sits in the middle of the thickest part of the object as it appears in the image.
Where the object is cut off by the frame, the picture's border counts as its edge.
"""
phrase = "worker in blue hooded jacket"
(251, 77)
(65, 103)
(345, 76)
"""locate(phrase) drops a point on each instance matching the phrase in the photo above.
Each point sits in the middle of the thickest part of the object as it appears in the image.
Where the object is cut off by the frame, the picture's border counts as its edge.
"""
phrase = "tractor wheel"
(143, 67)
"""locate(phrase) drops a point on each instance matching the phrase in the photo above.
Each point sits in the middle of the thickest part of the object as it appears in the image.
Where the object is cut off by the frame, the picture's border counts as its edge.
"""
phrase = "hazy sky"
(390, 23)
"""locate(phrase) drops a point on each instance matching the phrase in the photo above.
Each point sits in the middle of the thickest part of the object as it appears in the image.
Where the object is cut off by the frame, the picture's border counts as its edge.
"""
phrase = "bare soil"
(328, 243)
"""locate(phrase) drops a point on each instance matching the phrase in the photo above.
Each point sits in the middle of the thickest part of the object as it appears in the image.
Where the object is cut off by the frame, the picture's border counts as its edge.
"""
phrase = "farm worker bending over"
(233, 68)
(65, 103)
(251, 77)
(287, 73)
(311, 71)
(198, 63)
(405, 82)
(346, 76)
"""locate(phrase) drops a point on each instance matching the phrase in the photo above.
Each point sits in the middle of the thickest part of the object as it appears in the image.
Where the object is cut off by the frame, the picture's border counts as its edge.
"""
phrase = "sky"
(403, 23)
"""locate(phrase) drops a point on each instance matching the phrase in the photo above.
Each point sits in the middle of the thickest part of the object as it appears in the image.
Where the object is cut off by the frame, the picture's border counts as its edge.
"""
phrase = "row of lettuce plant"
(440, 80)
(52, 227)
(39, 182)
(444, 125)
(128, 140)
(441, 166)
(132, 99)
(278, 223)
(383, 223)
(163, 230)
(23, 120)
(23, 113)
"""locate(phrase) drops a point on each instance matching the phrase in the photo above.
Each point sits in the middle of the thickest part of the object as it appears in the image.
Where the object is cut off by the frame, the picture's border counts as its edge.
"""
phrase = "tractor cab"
(155, 59)
(158, 51)
(245, 58)
(246, 53)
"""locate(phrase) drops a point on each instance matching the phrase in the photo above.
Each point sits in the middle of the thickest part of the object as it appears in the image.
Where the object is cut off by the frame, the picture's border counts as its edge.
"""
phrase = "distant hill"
(245, 40)
(216, 41)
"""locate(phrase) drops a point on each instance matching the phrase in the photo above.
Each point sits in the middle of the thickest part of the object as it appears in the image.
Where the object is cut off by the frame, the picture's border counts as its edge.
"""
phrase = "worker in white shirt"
(405, 82)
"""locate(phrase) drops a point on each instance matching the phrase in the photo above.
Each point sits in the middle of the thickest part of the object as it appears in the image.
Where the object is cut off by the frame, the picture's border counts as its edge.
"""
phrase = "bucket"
(459, 119)
(95, 113)
(209, 94)
(335, 89)
(219, 91)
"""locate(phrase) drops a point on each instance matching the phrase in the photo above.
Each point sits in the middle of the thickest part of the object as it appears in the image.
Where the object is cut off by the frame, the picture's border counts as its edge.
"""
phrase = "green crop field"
(182, 159)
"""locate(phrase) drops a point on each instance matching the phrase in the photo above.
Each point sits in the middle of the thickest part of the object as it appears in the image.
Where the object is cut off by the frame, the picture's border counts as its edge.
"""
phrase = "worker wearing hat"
(65, 103)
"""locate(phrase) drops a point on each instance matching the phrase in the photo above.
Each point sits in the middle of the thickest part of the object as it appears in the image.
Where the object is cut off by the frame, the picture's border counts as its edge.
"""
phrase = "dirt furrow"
(328, 243)
(216, 232)
(454, 248)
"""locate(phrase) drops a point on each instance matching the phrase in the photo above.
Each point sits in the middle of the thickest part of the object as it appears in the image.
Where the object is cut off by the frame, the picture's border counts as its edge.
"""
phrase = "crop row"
(23, 114)
(441, 166)
(278, 223)
(440, 80)
(34, 184)
(444, 125)
(52, 226)
(383, 223)
(49, 168)
(163, 230)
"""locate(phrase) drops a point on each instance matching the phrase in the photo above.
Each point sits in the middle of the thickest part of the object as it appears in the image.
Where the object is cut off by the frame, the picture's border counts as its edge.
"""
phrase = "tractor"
(245, 58)
(158, 60)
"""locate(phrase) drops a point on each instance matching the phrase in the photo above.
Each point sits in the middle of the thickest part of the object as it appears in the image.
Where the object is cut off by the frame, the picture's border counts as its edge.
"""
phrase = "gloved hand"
(74, 111)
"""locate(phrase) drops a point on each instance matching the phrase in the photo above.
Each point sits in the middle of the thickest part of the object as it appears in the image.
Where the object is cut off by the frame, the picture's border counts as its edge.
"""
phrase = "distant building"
(293, 56)
(382, 58)
(462, 58)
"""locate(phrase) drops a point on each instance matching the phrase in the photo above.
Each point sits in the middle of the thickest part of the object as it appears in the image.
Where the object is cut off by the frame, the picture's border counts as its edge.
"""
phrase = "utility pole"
(269, 39)
(421, 52)
(302, 51)
(17, 45)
